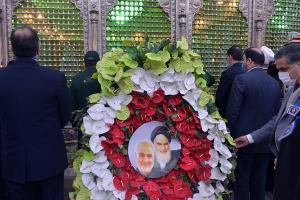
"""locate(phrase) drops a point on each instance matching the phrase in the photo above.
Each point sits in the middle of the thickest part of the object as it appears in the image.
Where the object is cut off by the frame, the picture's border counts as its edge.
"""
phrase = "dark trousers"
(251, 175)
(3, 190)
(48, 189)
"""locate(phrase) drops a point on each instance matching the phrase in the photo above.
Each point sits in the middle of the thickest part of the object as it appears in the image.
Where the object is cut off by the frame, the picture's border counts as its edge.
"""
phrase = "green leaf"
(126, 85)
(88, 155)
(95, 75)
(129, 62)
(76, 164)
(175, 54)
(230, 139)
(219, 197)
(183, 44)
(186, 57)
(77, 183)
(123, 114)
(94, 98)
(163, 56)
(204, 99)
(216, 115)
(119, 75)
(194, 55)
(72, 195)
(157, 67)
(180, 65)
(201, 82)
(83, 194)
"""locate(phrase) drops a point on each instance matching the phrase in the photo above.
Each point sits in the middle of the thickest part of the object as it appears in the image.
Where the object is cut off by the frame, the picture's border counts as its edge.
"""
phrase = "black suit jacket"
(34, 106)
(254, 99)
(226, 80)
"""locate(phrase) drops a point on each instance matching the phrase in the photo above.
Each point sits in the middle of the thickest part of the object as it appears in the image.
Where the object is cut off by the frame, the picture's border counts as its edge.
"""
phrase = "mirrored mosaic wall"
(285, 19)
(218, 26)
(135, 20)
(60, 29)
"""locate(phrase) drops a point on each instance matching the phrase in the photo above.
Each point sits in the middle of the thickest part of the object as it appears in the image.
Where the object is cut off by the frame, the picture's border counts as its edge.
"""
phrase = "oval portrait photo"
(152, 151)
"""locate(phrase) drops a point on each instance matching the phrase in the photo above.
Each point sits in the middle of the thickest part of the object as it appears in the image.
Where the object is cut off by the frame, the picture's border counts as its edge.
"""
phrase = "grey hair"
(144, 142)
(287, 51)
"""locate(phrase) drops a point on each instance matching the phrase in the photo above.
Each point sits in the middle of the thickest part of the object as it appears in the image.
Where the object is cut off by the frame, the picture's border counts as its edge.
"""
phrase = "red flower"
(202, 156)
(203, 173)
(120, 184)
(124, 175)
(123, 123)
(181, 189)
(158, 96)
(140, 101)
(167, 188)
(117, 135)
(118, 160)
(175, 100)
(138, 182)
(193, 176)
(188, 141)
(180, 115)
(152, 190)
(187, 163)
(169, 111)
(182, 126)
(130, 192)
(150, 110)
(185, 151)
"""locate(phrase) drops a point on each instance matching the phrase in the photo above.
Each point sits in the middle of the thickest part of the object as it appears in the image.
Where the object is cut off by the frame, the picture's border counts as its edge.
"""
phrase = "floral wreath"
(163, 82)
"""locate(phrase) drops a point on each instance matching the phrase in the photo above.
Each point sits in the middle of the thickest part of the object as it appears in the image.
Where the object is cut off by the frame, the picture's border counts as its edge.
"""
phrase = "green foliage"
(88, 155)
(94, 98)
(123, 114)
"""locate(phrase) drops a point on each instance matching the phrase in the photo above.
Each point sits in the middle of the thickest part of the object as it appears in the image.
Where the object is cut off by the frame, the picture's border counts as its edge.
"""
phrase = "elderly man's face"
(162, 144)
(145, 158)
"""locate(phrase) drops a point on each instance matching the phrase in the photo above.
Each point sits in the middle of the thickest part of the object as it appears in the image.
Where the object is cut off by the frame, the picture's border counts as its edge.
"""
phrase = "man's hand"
(241, 141)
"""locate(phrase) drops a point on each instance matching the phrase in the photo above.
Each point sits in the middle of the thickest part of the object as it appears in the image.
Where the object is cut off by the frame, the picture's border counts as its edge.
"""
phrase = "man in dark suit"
(284, 131)
(234, 60)
(254, 99)
(34, 106)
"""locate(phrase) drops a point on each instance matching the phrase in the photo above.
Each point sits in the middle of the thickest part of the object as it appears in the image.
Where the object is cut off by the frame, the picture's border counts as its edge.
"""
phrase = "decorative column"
(257, 13)
(169, 6)
(94, 19)
(1, 35)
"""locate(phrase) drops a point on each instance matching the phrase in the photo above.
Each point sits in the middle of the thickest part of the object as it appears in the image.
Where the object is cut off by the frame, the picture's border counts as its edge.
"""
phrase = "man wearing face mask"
(254, 99)
(284, 132)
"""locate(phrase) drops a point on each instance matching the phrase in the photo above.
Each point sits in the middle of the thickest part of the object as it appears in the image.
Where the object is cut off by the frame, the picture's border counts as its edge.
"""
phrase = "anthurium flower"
(187, 163)
(175, 100)
(222, 149)
(216, 174)
(205, 189)
(151, 189)
(214, 158)
(226, 166)
(181, 189)
(86, 166)
(88, 181)
(117, 135)
(158, 96)
(131, 192)
(118, 160)
(120, 184)
(204, 173)
(95, 143)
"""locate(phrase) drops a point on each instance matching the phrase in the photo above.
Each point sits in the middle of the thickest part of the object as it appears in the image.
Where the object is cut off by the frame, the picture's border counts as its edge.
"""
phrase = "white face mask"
(286, 79)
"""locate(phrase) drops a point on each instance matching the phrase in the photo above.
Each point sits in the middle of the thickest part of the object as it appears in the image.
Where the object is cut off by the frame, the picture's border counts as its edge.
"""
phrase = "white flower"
(202, 113)
(169, 88)
(146, 80)
(94, 127)
(181, 87)
(216, 174)
(95, 143)
(96, 112)
(168, 76)
(98, 168)
(226, 166)
(100, 157)
(192, 97)
(88, 181)
(189, 81)
(219, 188)
(100, 184)
(119, 194)
(222, 149)
(205, 189)
(133, 197)
(86, 166)
(222, 126)
(214, 158)
(206, 125)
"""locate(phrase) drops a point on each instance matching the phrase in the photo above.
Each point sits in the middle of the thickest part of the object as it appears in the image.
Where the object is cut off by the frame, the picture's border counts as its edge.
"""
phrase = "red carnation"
(158, 96)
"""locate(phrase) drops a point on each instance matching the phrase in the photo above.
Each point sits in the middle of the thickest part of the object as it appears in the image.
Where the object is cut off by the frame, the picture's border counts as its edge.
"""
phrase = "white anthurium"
(88, 124)
(206, 125)
(97, 168)
(219, 187)
(126, 99)
(179, 76)
(98, 128)
(214, 158)
(95, 143)
(222, 149)
(88, 181)
(137, 75)
(216, 174)
(86, 166)
(108, 119)
(133, 197)
(212, 133)
(97, 111)
(106, 174)
(205, 189)
(181, 87)
(99, 195)
(197, 196)
(189, 82)
(169, 88)
(100, 157)
(109, 111)
(168, 76)
(226, 166)
(100, 184)
(119, 194)
(210, 119)
(108, 184)
(114, 102)
(202, 113)
(192, 97)
(222, 126)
